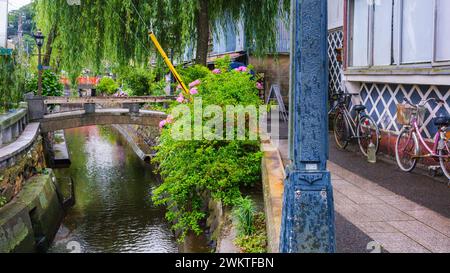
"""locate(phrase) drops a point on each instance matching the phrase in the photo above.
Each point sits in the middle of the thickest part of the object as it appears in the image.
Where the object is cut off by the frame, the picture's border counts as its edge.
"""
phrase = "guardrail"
(12, 124)
(100, 100)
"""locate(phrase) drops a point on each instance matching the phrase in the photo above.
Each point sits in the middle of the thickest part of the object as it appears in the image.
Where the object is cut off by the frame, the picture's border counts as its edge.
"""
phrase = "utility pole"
(20, 37)
(308, 208)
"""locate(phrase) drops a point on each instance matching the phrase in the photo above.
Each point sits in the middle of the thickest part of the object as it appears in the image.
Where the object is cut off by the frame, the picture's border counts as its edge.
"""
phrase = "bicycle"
(346, 128)
(407, 148)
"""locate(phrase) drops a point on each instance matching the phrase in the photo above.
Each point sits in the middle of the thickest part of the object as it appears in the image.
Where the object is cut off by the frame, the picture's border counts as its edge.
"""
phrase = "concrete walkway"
(397, 223)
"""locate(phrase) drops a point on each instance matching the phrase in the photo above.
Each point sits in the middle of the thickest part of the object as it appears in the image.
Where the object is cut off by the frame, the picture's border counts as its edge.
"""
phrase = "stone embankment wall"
(21, 152)
(30, 221)
(31, 209)
(21, 168)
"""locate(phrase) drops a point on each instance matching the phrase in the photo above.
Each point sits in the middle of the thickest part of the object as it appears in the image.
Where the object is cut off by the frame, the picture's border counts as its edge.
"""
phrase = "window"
(443, 31)
(399, 32)
(382, 39)
(417, 35)
(360, 33)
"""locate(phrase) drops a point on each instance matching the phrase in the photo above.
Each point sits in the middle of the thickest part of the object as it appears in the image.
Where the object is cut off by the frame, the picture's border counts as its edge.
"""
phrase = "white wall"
(3, 22)
(335, 13)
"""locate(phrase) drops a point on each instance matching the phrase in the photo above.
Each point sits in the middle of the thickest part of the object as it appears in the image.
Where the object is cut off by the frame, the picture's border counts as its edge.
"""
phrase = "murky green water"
(113, 211)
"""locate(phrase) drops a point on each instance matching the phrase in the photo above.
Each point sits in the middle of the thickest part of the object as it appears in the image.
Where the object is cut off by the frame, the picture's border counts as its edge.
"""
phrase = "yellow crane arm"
(172, 69)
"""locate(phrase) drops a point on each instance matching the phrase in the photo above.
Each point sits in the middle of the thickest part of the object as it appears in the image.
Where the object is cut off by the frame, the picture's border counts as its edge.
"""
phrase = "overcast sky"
(16, 4)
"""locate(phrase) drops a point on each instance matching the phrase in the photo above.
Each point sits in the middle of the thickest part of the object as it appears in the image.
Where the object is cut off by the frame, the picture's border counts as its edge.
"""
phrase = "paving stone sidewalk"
(398, 224)
(394, 221)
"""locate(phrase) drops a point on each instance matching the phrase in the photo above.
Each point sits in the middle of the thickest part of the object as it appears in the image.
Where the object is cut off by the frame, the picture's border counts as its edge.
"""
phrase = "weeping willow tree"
(116, 31)
(12, 82)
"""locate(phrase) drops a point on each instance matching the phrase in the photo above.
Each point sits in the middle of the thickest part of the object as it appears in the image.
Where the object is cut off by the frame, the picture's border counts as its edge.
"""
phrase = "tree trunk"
(49, 46)
(202, 33)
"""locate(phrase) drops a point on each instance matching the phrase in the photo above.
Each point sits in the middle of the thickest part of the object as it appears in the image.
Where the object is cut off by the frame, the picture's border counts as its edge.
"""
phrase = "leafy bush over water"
(107, 86)
(138, 80)
(51, 85)
(193, 170)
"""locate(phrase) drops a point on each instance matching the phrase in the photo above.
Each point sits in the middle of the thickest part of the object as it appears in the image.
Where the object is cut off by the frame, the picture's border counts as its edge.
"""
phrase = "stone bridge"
(81, 118)
(91, 111)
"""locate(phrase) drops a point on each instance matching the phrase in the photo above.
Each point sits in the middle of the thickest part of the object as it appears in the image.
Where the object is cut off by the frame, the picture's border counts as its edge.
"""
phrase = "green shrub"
(193, 169)
(256, 242)
(193, 73)
(158, 88)
(107, 86)
(138, 80)
(244, 211)
(51, 85)
(2, 201)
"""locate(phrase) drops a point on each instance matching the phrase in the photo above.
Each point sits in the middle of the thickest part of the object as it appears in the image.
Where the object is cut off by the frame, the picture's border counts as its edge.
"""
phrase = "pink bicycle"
(407, 148)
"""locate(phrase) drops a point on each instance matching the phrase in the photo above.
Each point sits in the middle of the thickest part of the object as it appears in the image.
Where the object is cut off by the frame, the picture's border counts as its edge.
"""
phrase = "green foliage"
(51, 85)
(193, 73)
(230, 88)
(112, 30)
(223, 63)
(244, 211)
(107, 86)
(158, 88)
(138, 80)
(2, 201)
(194, 169)
(257, 241)
(12, 82)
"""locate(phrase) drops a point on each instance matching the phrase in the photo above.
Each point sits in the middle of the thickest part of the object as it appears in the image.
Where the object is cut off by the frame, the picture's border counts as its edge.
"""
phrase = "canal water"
(113, 187)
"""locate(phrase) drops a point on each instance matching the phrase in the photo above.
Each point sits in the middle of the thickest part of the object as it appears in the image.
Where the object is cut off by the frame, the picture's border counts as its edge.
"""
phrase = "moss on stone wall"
(12, 179)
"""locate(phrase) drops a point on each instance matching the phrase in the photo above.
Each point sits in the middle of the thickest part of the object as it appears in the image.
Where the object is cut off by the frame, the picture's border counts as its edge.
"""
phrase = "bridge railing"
(107, 100)
(38, 105)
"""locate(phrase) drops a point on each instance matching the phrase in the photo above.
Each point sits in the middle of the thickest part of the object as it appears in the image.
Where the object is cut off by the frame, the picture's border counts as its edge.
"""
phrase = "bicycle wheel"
(341, 130)
(367, 132)
(407, 150)
(445, 162)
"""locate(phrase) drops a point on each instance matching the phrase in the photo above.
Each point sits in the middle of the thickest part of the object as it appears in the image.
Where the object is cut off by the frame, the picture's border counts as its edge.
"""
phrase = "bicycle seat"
(360, 108)
(442, 121)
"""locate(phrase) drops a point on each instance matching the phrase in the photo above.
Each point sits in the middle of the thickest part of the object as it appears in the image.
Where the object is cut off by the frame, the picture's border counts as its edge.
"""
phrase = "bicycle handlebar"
(423, 102)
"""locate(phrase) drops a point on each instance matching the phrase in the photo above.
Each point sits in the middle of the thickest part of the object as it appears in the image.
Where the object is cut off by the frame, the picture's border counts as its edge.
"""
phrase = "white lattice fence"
(335, 40)
(381, 101)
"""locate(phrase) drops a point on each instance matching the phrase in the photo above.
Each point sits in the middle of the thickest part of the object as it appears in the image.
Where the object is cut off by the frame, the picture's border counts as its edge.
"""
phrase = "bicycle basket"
(342, 98)
(407, 113)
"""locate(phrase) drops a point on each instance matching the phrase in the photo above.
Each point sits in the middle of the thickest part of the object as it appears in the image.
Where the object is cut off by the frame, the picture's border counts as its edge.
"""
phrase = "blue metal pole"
(308, 209)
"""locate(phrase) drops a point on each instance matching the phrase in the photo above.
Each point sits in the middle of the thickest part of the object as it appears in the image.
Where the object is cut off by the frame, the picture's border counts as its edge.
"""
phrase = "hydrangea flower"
(169, 119)
(216, 71)
(162, 124)
(259, 86)
(241, 69)
(194, 91)
(194, 83)
(180, 98)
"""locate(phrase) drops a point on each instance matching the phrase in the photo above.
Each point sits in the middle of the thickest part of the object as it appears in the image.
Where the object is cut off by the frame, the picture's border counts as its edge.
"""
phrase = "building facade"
(391, 49)
(395, 49)
(3, 23)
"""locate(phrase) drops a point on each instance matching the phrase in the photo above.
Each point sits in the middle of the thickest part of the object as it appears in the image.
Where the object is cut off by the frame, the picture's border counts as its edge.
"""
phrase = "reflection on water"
(113, 211)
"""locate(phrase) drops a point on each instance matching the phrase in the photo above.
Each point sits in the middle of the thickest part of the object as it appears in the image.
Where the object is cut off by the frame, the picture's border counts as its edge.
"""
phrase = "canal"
(113, 187)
